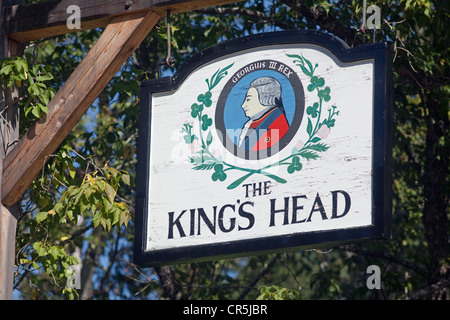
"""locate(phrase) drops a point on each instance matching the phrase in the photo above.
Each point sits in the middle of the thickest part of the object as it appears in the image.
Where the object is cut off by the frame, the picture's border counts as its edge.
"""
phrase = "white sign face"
(261, 149)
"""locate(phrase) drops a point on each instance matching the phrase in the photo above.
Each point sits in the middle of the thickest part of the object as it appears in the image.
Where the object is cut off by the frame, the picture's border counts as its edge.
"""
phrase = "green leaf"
(316, 82)
(108, 224)
(209, 138)
(124, 217)
(72, 172)
(43, 109)
(40, 250)
(313, 110)
(96, 219)
(309, 127)
(44, 77)
(274, 177)
(206, 122)
(54, 252)
(41, 216)
(196, 110)
(295, 56)
(6, 70)
(239, 181)
(116, 216)
(205, 166)
(320, 147)
(325, 94)
(219, 174)
(309, 155)
(114, 172)
(205, 99)
(110, 192)
(295, 165)
(305, 71)
(21, 65)
(126, 179)
(35, 112)
(34, 89)
(215, 79)
(309, 64)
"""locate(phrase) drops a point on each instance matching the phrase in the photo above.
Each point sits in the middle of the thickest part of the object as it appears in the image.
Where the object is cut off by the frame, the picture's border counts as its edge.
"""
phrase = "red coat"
(266, 131)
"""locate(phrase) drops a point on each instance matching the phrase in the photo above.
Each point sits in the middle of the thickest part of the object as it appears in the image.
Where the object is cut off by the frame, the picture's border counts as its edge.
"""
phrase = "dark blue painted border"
(381, 166)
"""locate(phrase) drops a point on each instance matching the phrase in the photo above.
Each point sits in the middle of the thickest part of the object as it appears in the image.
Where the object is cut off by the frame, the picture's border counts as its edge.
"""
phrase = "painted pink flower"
(300, 144)
(323, 131)
(194, 146)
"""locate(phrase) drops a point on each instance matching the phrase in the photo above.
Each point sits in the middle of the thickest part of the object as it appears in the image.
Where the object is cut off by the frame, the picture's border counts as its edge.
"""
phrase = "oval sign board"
(272, 142)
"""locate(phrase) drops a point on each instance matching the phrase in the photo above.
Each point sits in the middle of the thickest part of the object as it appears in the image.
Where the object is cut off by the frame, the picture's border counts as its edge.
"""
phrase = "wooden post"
(9, 133)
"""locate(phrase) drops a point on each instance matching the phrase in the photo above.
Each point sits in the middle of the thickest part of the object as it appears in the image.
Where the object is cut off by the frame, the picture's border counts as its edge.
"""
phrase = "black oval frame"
(256, 155)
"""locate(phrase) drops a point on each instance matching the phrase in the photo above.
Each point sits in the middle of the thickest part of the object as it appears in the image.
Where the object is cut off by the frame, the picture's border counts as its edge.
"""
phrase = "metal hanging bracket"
(363, 27)
(168, 61)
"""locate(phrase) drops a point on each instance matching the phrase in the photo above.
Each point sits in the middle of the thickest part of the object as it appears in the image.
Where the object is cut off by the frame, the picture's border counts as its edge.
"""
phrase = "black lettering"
(192, 230)
(247, 215)
(273, 211)
(320, 208)
(202, 216)
(296, 207)
(232, 220)
(177, 223)
(335, 214)
(266, 187)
(246, 188)
(257, 189)
(260, 188)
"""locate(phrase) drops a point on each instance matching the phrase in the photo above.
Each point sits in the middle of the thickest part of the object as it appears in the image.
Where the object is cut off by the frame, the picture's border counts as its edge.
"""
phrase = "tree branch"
(406, 263)
(319, 17)
(260, 275)
(443, 285)
(168, 283)
(248, 13)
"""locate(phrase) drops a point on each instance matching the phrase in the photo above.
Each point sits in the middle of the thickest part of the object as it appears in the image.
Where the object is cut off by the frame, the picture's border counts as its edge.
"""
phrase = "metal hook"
(363, 27)
(169, 61)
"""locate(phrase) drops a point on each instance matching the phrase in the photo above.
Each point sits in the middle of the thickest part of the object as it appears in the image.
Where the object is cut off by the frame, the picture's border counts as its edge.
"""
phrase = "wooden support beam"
(48, 19)
(8, 225)
(120, 38)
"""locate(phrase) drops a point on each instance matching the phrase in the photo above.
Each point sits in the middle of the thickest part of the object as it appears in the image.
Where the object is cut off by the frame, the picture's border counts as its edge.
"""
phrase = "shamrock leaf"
(219, 174)
(196, 109)
(330, 123)
(295, 165)
(205, 98)
(206, 122)
(313, 110)
(316, 82)
(189, 138)
(325, 94)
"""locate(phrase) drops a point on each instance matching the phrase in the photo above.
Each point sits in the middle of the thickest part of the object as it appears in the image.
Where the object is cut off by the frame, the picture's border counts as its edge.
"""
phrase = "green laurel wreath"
(205, 160)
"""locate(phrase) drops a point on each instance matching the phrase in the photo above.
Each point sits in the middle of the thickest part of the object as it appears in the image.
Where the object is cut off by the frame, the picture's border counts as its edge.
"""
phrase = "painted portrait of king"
(267, 122)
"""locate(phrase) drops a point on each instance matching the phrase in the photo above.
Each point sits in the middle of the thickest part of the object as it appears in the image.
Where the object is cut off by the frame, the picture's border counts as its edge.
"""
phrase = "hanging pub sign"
(267, 143)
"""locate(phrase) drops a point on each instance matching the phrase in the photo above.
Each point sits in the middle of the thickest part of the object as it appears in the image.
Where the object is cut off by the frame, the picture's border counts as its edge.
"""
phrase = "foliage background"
(81, 207)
